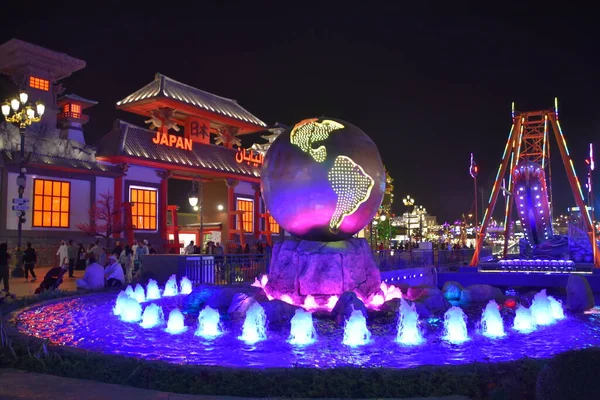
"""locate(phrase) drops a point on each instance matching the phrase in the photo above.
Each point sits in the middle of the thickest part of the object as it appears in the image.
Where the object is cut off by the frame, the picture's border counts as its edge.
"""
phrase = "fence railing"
(225, 269)
(393, 259)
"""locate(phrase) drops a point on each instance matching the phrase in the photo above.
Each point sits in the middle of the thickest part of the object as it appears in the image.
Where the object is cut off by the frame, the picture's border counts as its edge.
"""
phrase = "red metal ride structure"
(529, 144)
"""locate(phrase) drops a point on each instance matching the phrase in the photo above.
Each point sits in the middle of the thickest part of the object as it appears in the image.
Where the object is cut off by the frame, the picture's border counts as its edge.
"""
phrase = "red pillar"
(162, 208)
(118, 204)
(231, 206)
(128, 223)
(256, 218)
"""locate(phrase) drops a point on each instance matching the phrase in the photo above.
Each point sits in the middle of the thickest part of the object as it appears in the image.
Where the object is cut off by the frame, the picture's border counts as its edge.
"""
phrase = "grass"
(511, 380)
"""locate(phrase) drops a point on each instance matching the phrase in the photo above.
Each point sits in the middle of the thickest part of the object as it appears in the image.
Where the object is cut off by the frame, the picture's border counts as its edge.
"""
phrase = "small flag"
(473, 168)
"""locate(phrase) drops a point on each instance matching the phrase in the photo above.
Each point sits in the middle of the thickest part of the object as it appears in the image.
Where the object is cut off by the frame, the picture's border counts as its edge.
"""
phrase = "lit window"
(273, 225)
(76, 108)
(51, 203)
(247, 206)
(143, 210)
(38, 83)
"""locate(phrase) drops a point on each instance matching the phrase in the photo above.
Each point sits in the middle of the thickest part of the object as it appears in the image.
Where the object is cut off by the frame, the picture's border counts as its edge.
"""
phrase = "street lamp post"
(382, 218)
(195, 199)
(21, 114)
(408, 202)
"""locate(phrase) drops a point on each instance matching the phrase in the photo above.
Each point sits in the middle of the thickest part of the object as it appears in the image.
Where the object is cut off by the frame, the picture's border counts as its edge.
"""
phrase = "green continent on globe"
(309, 131)
(353, 187)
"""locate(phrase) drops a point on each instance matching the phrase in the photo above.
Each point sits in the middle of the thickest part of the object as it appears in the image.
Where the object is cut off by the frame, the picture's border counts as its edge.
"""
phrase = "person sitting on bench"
(114, 273)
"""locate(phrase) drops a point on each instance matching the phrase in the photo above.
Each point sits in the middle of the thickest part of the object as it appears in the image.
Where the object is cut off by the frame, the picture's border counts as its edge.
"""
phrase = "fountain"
(152, 290)
(255, 325)
(310, 303)
(408, 325)
(171, 287)
(185, 286)
(130, 292)
(153, 316)
(120, 303)
(131, 310)
(355, 331)
(491, 321)
(376, 300)
(176, 322)
(302, 330)
(208, 323)
(455, 326)
(331, 302)
(139, 294)
(287, 299)
(541, 309)
(524, 321)
(390, 292)
(556, 308)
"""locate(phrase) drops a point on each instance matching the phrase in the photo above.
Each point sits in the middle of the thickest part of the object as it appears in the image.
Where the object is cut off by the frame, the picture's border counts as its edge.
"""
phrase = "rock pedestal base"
(302, 268)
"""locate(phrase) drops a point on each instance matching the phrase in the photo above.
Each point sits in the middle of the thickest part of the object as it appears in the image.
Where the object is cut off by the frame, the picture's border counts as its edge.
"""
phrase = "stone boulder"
(452, 290)
(347, 303)
(193, 302)
(240, 303)
(300, 268)
(278, 312)
(481, 294)
(429, 300)
(579, 294)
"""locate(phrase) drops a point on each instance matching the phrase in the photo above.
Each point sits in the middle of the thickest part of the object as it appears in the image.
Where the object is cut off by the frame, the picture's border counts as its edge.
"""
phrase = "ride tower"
(526, 157)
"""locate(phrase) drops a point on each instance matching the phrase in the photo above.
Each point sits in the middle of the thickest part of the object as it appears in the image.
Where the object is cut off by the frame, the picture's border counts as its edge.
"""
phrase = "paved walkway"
(21, 385)
(20, 288)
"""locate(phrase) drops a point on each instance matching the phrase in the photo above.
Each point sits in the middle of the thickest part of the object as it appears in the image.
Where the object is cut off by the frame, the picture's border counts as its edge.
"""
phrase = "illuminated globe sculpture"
(323, 180)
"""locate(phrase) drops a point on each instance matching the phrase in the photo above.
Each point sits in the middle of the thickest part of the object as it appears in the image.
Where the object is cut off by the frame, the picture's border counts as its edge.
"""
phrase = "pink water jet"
(331, 302)
(310, 303)
(287, 299)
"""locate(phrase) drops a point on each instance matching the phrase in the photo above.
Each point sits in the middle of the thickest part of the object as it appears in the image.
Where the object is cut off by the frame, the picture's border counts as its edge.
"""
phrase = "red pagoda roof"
(128, 141)
(163, 87)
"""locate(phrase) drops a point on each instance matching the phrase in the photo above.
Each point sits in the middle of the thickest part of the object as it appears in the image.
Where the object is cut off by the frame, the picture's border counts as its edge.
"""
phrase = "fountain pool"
(89, 323)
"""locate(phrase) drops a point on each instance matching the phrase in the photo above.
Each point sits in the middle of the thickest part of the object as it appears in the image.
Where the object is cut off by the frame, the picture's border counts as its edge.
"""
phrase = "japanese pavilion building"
(192, 135)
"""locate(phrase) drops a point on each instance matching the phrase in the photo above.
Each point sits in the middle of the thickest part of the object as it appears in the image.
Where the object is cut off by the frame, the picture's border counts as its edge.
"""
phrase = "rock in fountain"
(408, 325)
(355, 331)
(491, 321)
(131, 310)
(209, 322)
(120, 303)
(310, 303)
(152, 290)
(139, 294)
(302, 330)
(455, 326)
(524, 321)
(130, 292)
(255, 325)
(176, 322)
(541, 309)
(171, 287)
(185, 286)
(557, 308)
(153, 316)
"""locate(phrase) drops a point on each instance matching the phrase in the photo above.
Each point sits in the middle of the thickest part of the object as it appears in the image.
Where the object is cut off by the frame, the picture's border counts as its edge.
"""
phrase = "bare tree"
(106, 219)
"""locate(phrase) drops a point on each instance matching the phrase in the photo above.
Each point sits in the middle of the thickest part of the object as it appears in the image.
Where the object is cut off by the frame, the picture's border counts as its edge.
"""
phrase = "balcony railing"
(73, 115)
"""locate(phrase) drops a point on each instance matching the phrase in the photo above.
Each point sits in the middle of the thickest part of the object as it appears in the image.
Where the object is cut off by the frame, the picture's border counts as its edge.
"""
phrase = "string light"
(352, 185)
(309, 131)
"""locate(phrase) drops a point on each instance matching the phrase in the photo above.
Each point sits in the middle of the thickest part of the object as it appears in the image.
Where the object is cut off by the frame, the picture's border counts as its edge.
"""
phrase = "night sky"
(427, 89)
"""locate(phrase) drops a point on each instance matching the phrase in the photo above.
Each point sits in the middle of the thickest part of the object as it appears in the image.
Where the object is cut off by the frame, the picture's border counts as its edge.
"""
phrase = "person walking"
(29, 260)
(4, 260)
(73, 252)
(62, 252)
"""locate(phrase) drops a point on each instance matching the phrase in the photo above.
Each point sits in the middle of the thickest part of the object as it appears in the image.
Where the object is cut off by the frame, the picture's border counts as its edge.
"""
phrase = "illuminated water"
(176, 322)
(523, 322)
(171, 288)
(302, 330)
(152, 290)
(152, 317)
(541, 309)
(139, 293)
(131, 310)
(255, 325)
(209, 323)
(310, 303)
(409, 332)
(129, 290)
(455, 326)
(355, 330)
(491, 321)
(185, 286)
(88, 323)
(556, 308)
(120, 303)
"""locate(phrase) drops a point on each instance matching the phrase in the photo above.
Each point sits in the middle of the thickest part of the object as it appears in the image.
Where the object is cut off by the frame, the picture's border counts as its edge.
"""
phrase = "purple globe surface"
(323, 179)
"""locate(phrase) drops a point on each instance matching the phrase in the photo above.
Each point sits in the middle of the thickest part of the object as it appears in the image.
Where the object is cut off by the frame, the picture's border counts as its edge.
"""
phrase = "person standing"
(62, 252)
(4, 259)
(126, 261)
(73, 253)
(29, 260)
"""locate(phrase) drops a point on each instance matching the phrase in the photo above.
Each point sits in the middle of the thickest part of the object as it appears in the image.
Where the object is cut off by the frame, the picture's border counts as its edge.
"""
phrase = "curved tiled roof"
(165, 87)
